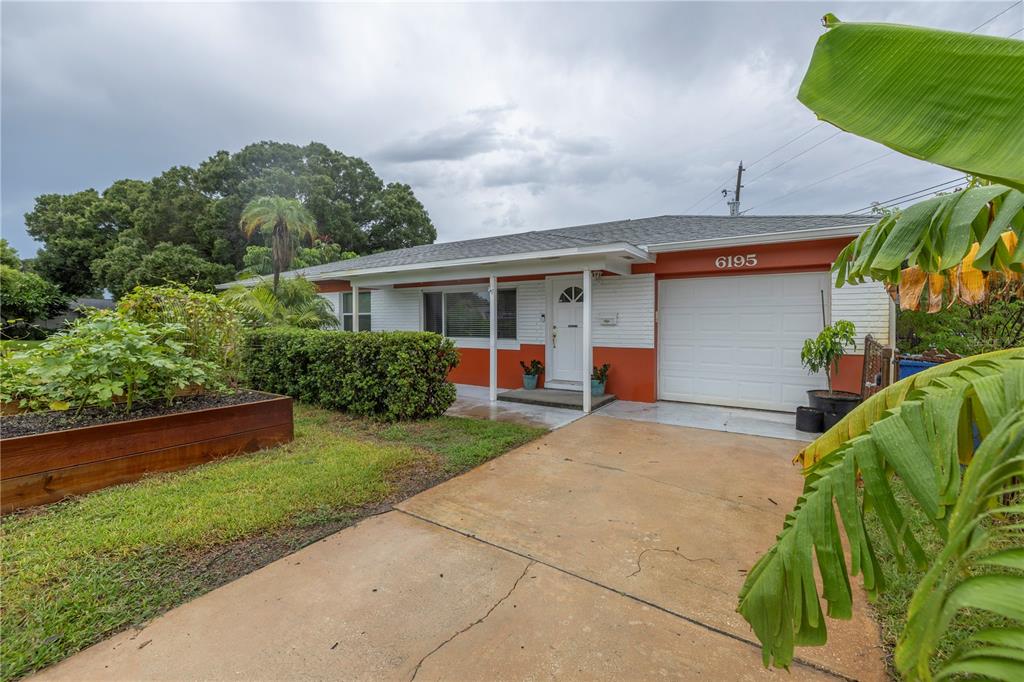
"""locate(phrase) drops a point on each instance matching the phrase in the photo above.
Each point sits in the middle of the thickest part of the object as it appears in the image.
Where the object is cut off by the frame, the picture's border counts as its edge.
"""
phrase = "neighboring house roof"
(641, 232)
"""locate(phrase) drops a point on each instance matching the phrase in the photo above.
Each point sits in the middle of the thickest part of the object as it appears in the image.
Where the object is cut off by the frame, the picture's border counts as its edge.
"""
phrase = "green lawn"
(15, 345)
(77, 571)
(891, 606)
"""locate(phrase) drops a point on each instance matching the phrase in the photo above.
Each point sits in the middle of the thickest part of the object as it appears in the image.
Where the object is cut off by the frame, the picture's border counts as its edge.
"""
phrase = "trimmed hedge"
(391, 375)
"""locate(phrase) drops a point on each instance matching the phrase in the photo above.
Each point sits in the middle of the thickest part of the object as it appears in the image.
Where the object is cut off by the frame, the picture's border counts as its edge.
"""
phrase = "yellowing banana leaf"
(871, 410)
(946, 97)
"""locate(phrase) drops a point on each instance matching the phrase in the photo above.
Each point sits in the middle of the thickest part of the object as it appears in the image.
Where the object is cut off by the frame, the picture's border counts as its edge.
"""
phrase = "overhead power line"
(724, 184)
(913, 196)
(823, 180)
(796, 156)
(783, 146)
(996, 16)
(963, 184)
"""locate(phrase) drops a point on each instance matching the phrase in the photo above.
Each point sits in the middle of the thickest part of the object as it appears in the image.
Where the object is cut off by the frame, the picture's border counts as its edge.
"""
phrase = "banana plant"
(969, 574)
(942, 97)
(922, 434)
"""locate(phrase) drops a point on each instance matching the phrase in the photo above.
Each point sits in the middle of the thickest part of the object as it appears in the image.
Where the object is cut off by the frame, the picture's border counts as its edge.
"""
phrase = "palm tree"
(286, 221)
(294, 304)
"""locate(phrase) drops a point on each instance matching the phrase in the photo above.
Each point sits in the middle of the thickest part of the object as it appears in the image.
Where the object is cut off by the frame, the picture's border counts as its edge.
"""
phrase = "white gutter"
(638, 254)
(769, 238)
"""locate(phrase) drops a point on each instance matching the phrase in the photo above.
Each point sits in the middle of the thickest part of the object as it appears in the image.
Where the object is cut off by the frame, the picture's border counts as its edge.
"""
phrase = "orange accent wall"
(848, 378)
(631, 377)
(633, 374)
(474, 366)
(812, 255)
(331, 285)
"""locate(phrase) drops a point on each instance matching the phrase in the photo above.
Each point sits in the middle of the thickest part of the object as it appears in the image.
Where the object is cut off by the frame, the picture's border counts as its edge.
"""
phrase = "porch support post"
(355, 307)
(588, 350)
(492, 291)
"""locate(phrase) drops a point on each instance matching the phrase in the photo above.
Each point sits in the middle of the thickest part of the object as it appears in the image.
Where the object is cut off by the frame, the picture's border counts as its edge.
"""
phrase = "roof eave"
(755, 239)
(635, 253)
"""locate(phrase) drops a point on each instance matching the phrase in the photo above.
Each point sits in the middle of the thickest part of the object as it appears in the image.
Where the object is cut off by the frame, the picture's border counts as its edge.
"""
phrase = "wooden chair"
(877, 373)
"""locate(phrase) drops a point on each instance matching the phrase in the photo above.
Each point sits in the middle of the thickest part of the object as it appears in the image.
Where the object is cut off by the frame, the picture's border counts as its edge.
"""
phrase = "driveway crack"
(640, 558)
(476, 622)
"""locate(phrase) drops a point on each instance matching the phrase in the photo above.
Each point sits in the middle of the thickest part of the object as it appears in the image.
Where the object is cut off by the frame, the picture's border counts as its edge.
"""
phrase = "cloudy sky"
(503, 117)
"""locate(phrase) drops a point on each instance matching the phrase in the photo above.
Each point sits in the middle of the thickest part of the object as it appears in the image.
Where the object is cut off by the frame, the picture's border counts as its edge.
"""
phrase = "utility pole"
(734, 205)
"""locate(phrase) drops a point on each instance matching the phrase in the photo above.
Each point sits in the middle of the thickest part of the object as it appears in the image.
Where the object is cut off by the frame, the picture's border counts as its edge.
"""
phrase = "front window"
(364, 311)
(466, 314)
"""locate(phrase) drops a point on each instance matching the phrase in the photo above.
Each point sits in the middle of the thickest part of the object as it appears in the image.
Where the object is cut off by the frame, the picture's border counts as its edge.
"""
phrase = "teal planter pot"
(529, 381)
(596, 387)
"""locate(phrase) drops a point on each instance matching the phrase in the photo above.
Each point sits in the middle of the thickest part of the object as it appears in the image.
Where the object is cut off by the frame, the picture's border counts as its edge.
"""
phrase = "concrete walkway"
(609, 549)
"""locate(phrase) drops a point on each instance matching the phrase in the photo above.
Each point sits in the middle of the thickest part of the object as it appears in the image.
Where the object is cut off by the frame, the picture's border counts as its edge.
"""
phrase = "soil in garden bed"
(30, 423)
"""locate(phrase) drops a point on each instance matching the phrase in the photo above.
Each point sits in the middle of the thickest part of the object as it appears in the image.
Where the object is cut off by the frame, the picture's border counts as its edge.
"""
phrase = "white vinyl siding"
(395, 310)
(867, 306)
(334, 298)
(628, 301)
(736, 341)
(530, 299)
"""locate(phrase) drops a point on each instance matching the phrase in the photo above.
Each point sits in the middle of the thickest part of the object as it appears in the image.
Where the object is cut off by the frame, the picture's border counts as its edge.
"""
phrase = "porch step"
(552, 397)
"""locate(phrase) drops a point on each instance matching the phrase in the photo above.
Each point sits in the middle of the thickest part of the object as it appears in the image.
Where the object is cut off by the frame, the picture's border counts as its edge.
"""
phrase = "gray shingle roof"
(640, 232)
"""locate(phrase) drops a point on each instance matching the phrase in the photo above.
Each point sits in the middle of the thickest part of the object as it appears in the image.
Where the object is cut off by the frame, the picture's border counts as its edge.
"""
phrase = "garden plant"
(821, 354)
(951, 437)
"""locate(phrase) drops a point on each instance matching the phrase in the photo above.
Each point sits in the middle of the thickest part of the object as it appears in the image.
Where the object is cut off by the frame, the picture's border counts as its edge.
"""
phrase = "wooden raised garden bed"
(47, 467)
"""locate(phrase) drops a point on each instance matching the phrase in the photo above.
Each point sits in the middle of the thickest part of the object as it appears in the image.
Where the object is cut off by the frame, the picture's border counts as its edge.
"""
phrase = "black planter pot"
(834, 405)
(809, 420)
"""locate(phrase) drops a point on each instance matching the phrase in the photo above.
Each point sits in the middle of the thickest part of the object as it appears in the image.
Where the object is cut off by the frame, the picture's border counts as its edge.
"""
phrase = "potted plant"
(531, 372)
(598, 379)
(822, 354)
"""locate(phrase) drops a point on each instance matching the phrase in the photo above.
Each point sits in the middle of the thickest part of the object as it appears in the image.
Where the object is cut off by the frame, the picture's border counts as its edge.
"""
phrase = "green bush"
(103, 359)
(212, 327)
(967, 330)
(392, 375)
(25, 297)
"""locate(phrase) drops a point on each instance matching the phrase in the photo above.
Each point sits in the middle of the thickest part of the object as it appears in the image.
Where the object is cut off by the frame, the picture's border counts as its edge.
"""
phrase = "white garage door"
(736, 340)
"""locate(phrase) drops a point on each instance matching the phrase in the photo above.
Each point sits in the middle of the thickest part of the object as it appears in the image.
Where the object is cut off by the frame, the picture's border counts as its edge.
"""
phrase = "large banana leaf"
(871, 410)
(922, 439)
(949, 98)
(971, 571)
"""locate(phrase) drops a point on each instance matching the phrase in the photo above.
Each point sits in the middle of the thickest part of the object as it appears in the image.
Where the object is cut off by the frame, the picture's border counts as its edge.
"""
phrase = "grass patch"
(19, 344)
(79, 570)
(464, 443)
(891, 606)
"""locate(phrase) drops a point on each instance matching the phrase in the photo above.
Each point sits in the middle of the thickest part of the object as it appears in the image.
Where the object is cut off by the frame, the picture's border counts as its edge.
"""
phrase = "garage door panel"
(737, 340)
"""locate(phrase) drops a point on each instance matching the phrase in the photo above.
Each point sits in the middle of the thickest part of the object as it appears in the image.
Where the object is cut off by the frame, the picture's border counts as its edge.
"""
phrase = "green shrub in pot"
(531, 372)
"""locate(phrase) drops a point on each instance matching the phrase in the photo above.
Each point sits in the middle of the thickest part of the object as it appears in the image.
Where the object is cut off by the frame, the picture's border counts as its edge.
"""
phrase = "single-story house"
(702, 309)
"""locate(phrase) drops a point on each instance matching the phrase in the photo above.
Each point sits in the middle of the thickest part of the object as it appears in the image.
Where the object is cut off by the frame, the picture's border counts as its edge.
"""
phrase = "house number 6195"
(747, 261)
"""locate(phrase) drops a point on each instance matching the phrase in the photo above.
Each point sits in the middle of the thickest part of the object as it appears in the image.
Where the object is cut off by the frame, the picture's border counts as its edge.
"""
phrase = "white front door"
(567, 331)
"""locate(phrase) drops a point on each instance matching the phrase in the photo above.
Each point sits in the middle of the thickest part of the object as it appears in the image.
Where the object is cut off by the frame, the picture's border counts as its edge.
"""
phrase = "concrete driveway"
(609, 549)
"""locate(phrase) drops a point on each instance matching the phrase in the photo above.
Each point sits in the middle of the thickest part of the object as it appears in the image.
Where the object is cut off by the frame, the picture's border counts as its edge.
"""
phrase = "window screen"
(467, 314)
(433, 313)
(364, 311)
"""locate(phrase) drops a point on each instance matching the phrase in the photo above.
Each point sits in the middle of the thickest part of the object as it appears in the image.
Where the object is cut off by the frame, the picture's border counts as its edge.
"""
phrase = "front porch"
(554, 397)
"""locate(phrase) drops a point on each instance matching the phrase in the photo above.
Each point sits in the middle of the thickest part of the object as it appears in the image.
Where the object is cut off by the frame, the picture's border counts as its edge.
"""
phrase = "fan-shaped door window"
(571, 295)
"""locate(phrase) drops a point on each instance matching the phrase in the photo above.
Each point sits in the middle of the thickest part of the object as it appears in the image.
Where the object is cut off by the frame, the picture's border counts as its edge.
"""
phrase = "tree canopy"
(92, 238)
